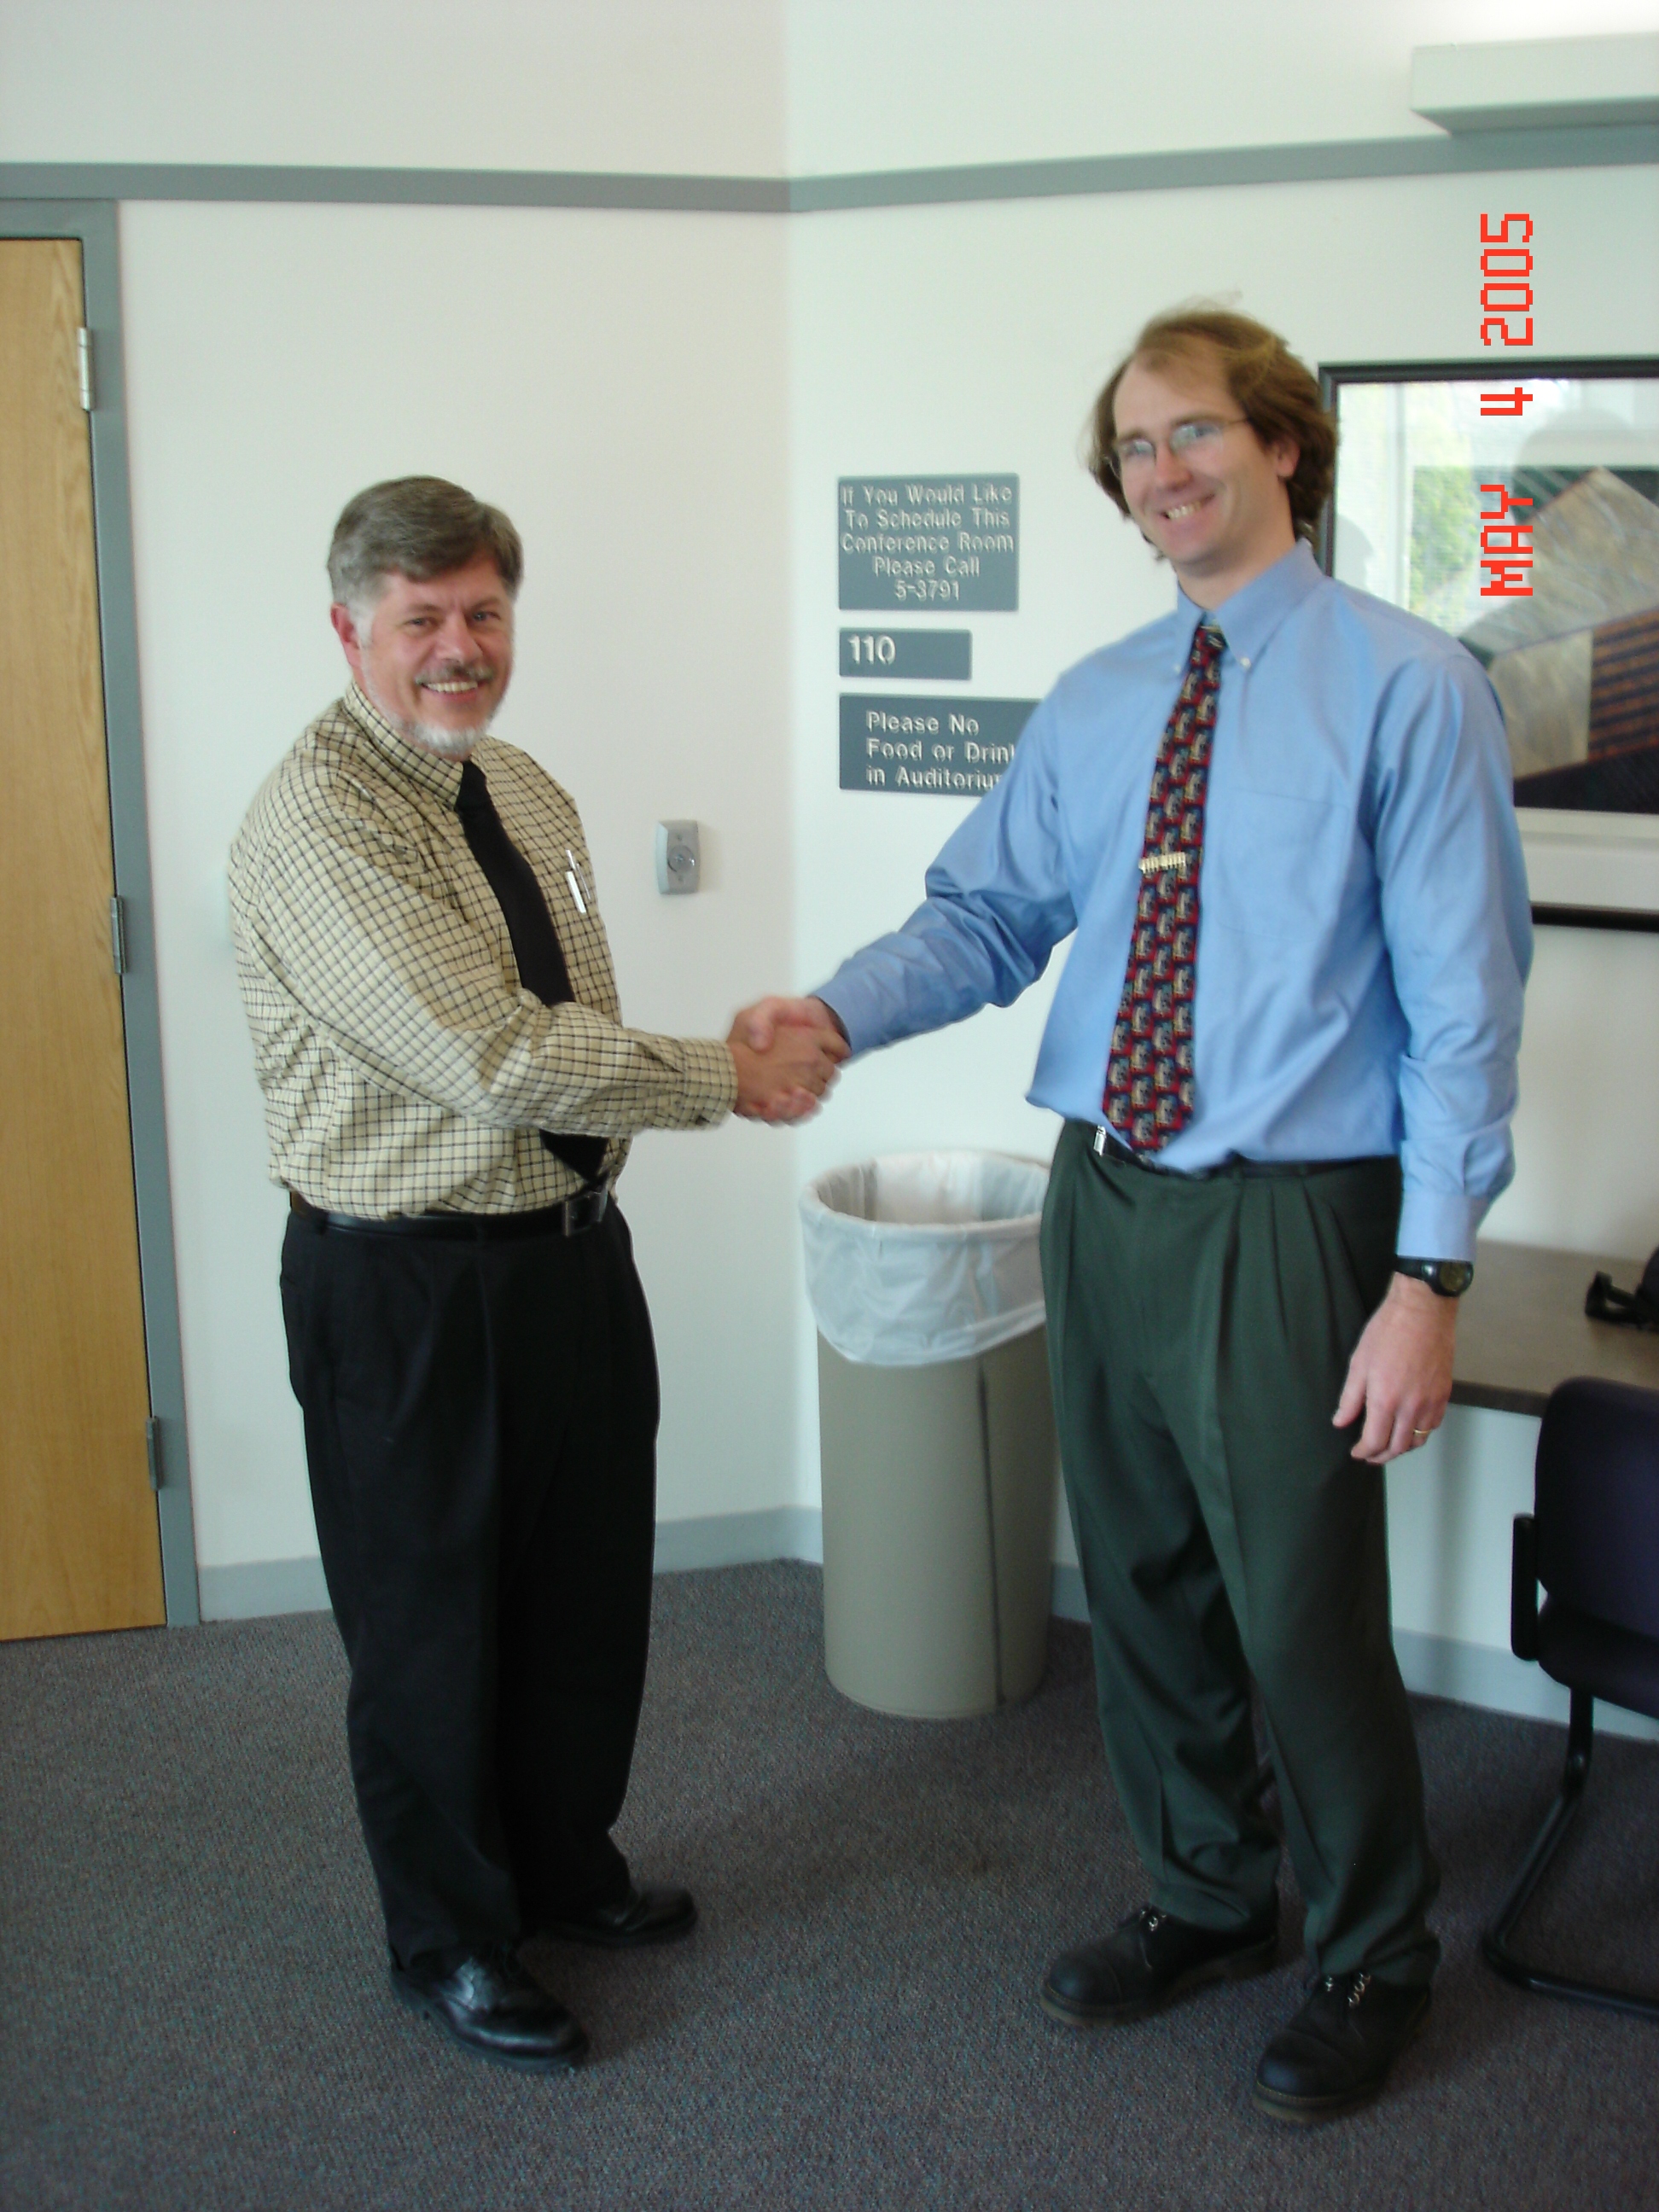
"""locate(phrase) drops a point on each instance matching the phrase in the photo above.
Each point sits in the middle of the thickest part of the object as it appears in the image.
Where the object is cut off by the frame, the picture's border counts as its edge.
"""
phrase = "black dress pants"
(480, 1422)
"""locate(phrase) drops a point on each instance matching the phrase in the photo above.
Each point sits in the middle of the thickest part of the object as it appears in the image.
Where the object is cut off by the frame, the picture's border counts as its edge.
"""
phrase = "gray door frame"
(94, 222)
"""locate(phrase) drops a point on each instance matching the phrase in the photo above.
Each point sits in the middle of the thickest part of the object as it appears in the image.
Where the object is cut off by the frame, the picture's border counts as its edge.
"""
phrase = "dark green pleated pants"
(1200, 1329)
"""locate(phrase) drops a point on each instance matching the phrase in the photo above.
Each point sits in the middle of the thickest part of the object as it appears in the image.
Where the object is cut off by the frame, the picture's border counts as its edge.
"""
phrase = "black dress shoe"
(493, 2009)
(652, 1913)
(1334, 2054)
(1148, 1959)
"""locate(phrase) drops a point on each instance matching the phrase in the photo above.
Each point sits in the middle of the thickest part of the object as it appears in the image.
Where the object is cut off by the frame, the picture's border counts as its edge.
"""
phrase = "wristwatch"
(1447, 1278)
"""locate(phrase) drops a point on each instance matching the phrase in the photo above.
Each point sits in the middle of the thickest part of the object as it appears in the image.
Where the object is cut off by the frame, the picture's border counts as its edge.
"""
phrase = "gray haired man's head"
(424, 579)
(419, 527)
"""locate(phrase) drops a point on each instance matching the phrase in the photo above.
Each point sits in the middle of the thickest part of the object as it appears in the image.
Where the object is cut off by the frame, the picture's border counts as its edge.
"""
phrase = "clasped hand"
(785, 1052)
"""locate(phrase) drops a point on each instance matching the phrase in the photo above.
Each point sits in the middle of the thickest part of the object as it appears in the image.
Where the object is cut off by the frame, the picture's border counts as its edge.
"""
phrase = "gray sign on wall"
(948, 543)
(935, 656)
(896, 741)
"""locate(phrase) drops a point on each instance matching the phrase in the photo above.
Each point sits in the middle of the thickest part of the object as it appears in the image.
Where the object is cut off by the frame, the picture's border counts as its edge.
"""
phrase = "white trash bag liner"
(925, 1257)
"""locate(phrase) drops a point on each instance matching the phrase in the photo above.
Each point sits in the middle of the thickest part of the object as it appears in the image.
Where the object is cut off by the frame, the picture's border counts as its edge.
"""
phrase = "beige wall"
(902, 84)
(618, 383)
(500, 84)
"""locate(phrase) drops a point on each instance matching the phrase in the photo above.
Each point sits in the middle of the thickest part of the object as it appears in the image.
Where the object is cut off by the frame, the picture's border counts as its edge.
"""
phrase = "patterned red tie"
(1149, 1071)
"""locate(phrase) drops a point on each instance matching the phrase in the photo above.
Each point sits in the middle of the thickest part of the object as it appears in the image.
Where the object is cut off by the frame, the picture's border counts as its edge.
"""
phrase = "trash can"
(937, 1430)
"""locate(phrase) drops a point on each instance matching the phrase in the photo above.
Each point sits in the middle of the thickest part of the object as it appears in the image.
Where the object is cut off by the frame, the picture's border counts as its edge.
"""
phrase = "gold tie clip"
(1152, 864)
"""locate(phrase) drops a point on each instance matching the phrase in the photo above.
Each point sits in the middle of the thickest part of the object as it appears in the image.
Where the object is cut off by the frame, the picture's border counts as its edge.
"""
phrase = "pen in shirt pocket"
(572, 877)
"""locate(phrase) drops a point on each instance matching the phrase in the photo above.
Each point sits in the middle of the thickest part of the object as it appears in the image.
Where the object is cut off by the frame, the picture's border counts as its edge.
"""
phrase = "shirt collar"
(433, 771)
(1249, 619)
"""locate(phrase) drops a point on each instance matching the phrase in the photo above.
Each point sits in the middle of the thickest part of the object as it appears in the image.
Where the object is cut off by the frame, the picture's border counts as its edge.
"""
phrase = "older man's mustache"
(459, 671)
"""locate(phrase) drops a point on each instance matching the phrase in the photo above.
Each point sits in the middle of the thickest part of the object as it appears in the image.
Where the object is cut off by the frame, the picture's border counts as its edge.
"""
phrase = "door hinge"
(153, 1452)
(117, 934)
(84, 351)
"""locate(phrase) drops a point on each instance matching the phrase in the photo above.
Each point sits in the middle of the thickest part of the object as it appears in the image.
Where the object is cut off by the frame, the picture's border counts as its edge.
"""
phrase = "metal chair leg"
(1494, 1942)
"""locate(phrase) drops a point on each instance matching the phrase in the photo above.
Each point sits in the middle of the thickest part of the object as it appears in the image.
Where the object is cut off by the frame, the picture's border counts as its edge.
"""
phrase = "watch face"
(1449, 1278)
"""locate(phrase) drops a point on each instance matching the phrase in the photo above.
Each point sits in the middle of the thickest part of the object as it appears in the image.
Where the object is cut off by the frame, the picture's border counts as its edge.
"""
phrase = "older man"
(1278, 822)
(449, 1095)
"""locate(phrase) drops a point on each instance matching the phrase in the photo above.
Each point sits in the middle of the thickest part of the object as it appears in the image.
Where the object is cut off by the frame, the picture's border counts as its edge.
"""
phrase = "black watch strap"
(1447, 1278)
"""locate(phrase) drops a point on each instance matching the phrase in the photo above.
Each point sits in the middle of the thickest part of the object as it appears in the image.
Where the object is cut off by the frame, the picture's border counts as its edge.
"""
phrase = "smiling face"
(436, 655)
(1219, 515)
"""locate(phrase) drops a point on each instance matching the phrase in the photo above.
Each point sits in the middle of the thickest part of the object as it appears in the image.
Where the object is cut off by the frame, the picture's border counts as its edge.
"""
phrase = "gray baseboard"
(1433, 1666)
(1068, 1602)
(259, 1587)
(740, 1540)
(1484, 1674)
(1440, 1666)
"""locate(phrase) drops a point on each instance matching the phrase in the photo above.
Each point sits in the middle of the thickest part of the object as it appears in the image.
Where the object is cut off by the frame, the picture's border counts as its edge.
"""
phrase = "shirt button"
(1244, 660)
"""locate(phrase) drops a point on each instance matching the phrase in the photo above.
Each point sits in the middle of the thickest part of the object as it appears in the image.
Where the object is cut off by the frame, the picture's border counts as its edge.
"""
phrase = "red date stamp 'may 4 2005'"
(1505, 545)
(1505, 298)
(1506, 279)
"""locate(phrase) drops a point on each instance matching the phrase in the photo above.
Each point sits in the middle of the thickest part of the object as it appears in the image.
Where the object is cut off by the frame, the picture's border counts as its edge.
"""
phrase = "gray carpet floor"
(193, 2008)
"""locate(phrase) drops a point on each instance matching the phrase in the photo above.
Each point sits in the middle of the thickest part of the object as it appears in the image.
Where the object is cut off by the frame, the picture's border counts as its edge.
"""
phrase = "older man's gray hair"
(420, 528)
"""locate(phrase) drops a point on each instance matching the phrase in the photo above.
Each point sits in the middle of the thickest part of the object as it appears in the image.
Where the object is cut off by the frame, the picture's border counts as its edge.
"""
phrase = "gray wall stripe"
(94, 224)
(1618, 145)
(189, 181)
(1235, 165)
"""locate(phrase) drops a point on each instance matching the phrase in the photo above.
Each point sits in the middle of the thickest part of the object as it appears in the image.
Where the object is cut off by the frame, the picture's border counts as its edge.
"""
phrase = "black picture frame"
(1590, 864)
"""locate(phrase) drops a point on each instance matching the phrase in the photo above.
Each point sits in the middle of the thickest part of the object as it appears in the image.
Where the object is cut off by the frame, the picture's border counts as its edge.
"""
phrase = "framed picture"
(1516, 507)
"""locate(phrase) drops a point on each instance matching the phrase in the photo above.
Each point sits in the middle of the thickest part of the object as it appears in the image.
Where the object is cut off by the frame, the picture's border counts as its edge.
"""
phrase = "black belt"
(569, 1219)
(1109, 1145)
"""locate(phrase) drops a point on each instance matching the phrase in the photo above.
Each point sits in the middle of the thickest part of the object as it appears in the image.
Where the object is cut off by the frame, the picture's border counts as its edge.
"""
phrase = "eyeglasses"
(1188, 441)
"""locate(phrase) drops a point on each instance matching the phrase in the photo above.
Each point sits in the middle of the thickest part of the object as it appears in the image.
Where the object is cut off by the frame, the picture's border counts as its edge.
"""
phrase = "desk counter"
(1523, 1328)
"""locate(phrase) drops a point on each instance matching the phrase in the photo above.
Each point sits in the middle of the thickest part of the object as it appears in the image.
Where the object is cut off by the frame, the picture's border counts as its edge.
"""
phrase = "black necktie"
(536, 944)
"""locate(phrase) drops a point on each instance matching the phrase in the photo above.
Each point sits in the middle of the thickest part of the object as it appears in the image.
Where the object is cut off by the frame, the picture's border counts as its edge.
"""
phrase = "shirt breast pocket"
(1277, 869)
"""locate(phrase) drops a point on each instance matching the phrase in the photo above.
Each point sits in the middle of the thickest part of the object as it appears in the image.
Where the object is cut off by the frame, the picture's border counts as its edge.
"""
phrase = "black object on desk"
(1637, 1309)
(1521, 1328)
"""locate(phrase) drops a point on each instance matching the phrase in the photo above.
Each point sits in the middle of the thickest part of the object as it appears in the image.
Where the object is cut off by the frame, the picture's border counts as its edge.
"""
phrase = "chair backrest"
(1597, 1501)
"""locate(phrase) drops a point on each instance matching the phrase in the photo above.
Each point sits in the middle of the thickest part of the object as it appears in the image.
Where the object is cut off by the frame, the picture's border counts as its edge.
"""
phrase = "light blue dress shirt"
(1363, 929)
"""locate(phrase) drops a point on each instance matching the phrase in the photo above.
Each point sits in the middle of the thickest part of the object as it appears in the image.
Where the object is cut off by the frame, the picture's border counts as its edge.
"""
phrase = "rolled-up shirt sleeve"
(1458, 923)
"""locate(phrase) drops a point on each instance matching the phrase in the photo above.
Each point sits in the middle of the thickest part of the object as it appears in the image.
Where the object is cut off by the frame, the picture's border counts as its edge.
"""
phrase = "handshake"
(785, 1052)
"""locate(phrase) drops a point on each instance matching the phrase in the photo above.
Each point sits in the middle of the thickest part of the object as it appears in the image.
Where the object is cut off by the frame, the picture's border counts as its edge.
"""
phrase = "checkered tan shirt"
(404, 1068)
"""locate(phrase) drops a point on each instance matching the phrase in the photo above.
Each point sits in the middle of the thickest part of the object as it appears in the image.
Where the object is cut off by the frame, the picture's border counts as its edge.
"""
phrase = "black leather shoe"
(1148, 1960)
(1334, 2054)
(652, 1913)
(492, 2007)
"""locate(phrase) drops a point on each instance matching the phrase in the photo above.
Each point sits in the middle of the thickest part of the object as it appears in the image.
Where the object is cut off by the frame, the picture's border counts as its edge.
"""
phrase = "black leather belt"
(1109, 1145)
(569, 1219)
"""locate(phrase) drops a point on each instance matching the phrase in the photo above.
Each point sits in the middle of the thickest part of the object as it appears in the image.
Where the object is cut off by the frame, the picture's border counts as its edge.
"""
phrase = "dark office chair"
(1592, 1539)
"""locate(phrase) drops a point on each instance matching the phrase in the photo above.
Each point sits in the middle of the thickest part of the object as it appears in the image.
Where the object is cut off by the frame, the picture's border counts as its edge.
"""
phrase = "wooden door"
(80, 1546)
